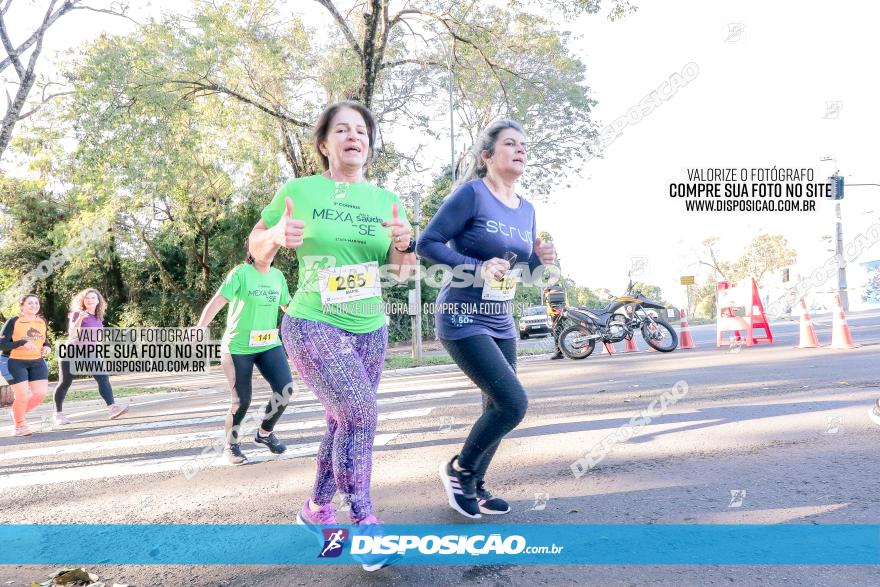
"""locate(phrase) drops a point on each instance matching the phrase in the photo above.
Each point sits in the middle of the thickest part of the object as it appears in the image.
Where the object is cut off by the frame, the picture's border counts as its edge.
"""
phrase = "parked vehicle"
(617, 321)
(534, 320)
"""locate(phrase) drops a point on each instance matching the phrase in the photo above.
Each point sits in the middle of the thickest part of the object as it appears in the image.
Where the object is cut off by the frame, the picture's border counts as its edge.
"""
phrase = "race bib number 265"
(349, 282)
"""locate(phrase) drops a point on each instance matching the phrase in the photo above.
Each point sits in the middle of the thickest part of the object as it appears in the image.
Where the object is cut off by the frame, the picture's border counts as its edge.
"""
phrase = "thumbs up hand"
(288, 232)
(545, 251)
(400, 233)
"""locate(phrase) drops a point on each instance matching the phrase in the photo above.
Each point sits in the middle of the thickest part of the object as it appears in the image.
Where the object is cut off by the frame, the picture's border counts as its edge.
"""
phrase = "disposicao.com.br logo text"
(448, 545)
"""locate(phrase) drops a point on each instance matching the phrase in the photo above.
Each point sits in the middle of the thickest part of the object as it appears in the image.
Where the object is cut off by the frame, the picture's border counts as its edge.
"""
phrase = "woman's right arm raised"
(287, 232)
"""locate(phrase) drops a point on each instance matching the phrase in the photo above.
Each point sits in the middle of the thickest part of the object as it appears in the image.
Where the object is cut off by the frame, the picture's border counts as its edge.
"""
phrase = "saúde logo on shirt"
(334, 541)
(270, 294)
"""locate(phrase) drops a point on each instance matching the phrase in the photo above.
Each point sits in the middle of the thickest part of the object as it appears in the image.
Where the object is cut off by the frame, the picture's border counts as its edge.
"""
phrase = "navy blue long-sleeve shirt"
(473, 226)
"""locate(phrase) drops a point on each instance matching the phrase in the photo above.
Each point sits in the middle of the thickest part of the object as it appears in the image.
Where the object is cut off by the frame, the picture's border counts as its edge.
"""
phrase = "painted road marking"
(132, 405)
(215, 419)
(165, 465)
(128, 443)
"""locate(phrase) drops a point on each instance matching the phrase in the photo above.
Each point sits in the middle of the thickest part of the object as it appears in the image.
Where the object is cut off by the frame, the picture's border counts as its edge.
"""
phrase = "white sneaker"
(22, 430)
(115, 411)
(874, 414)
(60, 419)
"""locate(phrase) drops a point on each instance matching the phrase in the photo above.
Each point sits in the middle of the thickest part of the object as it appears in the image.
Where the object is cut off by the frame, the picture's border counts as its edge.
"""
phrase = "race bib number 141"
(259, 338)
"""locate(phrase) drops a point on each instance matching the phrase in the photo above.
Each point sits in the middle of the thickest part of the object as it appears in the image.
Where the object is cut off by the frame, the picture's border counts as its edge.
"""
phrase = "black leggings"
(239, 370)
(491, 364)
(66, 379)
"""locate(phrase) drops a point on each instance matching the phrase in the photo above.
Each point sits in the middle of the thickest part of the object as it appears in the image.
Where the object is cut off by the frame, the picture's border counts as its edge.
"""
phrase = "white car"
(534, 320)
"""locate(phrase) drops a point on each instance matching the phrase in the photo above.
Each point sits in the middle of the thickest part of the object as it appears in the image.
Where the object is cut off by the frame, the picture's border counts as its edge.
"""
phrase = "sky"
(766, 71)
(759, 100)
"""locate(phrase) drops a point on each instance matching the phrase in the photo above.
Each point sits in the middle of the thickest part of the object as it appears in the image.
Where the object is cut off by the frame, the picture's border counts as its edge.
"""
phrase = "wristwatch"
(411, 248)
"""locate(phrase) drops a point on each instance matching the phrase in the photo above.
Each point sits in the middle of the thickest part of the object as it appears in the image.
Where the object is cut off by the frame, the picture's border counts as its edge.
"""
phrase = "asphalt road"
(787, 426)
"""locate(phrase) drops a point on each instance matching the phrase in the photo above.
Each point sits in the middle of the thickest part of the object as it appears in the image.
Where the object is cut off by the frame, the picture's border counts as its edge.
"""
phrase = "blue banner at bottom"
(225, 544)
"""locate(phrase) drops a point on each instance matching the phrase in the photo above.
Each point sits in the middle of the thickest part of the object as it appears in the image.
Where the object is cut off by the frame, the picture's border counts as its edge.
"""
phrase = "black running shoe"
(233, 454)
(558, 355)
(276, 446)
(461, 489)
(874, 414)
(489, 504)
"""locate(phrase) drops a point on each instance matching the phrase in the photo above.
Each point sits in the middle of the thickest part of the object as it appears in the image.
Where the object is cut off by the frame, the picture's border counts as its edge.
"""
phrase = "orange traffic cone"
(685, 340)
(650, 349)
(608, 348)
(809, 340)
(841, 338)
(630, 346)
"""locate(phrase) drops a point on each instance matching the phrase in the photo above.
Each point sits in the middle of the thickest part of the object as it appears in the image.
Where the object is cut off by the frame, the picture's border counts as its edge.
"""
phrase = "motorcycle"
(617, 321)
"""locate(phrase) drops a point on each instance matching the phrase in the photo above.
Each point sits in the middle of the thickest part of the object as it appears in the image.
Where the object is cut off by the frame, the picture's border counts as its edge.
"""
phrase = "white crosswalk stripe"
(103, 410)
(79, 456)
(215, 419)
(164, 465)
(448, 383)
(170, 439)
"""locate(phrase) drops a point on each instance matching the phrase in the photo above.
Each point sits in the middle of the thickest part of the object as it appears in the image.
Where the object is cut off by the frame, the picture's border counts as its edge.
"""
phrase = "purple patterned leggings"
(343, 370)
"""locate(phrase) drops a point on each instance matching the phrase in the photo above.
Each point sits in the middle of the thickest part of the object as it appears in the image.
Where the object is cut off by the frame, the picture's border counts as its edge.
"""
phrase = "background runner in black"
(273, 366)
(254, 291)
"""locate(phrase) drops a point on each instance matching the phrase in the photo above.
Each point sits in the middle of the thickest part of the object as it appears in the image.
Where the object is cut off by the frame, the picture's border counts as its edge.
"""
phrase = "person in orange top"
(23, 339)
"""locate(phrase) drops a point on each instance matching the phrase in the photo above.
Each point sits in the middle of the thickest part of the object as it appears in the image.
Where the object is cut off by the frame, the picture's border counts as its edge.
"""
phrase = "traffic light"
(836, 182)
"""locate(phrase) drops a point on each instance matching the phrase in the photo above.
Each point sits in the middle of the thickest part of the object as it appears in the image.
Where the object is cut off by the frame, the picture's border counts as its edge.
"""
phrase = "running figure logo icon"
(334, 540)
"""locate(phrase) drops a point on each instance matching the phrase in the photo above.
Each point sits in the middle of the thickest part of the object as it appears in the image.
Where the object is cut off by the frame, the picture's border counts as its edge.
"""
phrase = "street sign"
(687, 279)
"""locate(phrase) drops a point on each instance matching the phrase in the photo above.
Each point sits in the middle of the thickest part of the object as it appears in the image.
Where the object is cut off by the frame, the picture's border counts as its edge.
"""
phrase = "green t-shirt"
(343, 226)
(252, 316)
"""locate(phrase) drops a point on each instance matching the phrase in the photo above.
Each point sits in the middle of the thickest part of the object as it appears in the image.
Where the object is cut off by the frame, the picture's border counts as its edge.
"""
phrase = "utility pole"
(837, 191)
(417, 292)
(841, 262)
(836, 182)
(451, 118)
(417, 210)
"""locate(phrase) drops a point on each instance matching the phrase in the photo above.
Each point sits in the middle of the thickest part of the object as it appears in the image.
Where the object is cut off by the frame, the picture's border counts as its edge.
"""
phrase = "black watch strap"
(411, 248)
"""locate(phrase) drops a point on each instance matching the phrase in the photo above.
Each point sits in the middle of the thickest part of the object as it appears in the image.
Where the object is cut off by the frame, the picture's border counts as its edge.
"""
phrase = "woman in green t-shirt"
(254, 291)
(342, 228)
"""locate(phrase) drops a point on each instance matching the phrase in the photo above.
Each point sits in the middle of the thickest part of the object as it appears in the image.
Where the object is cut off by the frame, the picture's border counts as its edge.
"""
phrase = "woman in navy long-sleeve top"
(480, 231)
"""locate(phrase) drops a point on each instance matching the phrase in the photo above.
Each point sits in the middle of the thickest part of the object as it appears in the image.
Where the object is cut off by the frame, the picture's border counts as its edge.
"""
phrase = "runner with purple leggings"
(342, 228)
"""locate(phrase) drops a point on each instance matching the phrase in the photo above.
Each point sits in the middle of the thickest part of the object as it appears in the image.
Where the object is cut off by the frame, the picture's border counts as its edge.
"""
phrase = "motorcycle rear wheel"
(573, 348)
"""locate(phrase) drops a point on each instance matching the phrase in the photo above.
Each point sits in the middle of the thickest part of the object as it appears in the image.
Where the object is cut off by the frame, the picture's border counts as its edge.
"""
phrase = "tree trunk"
(165, 277)
(206, 266)
(15, 110)
(116, 289)
(372, 48)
